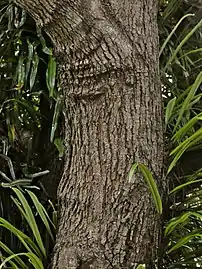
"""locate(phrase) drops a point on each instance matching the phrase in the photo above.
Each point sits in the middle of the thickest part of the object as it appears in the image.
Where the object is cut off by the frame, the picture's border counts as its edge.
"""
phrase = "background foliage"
(180, 28)
(31, 147)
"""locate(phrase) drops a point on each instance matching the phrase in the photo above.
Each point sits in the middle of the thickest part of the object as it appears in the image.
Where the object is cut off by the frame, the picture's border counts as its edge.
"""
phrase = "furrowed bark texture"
(108, 69)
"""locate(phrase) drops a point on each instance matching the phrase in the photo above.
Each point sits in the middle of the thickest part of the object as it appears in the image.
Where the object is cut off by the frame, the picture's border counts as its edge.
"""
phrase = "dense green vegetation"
(181, 77)
(30, 107)
(31, 124)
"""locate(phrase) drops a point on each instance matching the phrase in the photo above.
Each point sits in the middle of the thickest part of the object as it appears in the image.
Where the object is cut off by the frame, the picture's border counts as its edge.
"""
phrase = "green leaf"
(11, 131)
(132, 171)
(29, 108)
(34, 69)
(193, 137)
(182, 147)
(33, 259)
(21, 73)
(152, 186)
(191, 52)
(45, 49)
(180, 220)
(38, 174)
(179, 187)
(18, 182)
(42, 212)
(184, 130)
(175, 222)
(169, 110)
(10, 165)
(171, 7)
(60, 146)
(24, 239)
(172, 32)
(13, 265)
(51, 75)
(54, 215)
(189, 98)
(5, 176)
(141, 266)
(57, 111)
(23, 18)
(31, 220)
(182, 242)
(10, 252)
(187, 37)
(29, 58)
(150, 182)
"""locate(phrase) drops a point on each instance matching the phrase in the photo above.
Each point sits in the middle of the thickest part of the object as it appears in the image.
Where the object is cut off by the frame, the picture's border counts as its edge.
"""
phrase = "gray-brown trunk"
(108, 69)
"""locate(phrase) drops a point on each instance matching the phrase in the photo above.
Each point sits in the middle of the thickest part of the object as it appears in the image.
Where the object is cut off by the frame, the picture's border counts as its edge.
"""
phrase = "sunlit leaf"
(51, 75)
(42, 213)
(179, 187)
(10, 252)
(151, 184)
(21, 73)
(172, 32)
(180, 220)
(24, 239)
(179, 150)
(18, 182)
(184, 130)
(33, 259)
(10, 165)
(29, 58)
(60, 146)
(182, 242)
(30, 219)
(186, 38)
(141, 266)
(57, 112)
(169, 110)
(34, 69)
(189, 98)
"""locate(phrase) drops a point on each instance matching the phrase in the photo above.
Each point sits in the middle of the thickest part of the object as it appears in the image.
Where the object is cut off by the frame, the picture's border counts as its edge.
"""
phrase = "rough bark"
(108, 67)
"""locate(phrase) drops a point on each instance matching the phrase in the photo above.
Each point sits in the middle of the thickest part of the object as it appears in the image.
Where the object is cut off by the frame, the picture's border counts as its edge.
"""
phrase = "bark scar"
(87, 264)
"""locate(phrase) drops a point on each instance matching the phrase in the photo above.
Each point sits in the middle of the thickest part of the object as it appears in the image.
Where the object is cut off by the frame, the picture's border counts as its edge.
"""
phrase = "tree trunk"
(107, 52)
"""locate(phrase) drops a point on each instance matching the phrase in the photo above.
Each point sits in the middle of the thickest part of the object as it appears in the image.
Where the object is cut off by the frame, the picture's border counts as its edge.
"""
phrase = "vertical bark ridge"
(108, 54)
(110, 77)
(106, 216)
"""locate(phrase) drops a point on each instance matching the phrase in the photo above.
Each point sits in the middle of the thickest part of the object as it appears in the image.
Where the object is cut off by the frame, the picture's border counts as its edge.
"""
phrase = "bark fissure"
(108, 69)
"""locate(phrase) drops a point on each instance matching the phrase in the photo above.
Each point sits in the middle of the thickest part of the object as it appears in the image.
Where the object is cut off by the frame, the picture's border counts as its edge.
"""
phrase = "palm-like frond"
(26, 115)
(181, 65)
